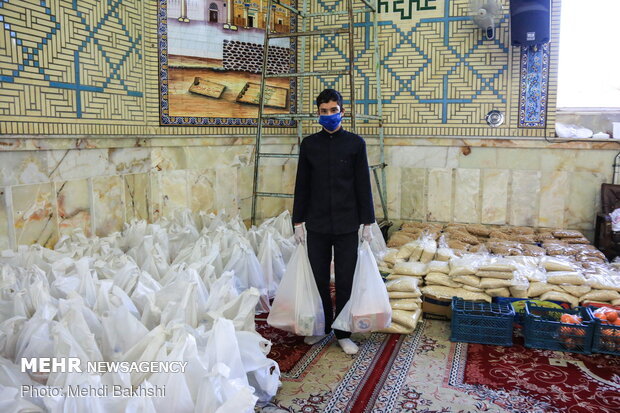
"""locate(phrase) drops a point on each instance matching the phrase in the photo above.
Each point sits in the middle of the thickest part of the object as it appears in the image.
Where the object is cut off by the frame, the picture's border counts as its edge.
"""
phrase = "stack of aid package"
(405, 302)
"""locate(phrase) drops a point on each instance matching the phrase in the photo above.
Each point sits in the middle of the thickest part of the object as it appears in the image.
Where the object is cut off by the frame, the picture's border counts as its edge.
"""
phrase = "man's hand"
(367, 233)
(300, 234)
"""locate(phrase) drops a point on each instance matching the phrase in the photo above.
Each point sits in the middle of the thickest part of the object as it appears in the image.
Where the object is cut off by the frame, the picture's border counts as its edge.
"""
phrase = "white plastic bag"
(297, 306)
(369, 308)
(272, 263)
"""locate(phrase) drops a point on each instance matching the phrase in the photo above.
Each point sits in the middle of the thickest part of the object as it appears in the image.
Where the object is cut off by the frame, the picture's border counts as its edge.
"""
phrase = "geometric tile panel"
(92, 67)
(438, 69)
(63, 60)
(534, 84)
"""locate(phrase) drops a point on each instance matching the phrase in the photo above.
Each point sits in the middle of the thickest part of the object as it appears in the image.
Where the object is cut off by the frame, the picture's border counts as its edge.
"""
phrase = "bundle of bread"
(405, 301)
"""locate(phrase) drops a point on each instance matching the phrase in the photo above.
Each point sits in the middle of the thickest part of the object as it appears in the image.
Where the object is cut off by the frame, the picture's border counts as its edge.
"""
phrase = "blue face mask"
(330, 122)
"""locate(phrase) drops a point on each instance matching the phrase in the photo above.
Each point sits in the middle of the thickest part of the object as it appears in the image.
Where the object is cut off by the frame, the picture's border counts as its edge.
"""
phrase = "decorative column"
(183, 18)
(230, 16)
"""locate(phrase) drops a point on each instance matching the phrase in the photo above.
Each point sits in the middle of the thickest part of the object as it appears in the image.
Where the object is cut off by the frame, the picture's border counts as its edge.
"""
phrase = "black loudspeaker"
(530, 21)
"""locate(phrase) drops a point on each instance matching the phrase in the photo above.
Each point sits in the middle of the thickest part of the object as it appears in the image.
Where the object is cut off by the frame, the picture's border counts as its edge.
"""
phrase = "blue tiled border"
(533, 89)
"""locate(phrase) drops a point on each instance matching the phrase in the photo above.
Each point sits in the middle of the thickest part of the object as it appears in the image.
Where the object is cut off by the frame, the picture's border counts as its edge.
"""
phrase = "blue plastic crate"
(481, 322)
(518, 304)
(544, 330)
(605, 337)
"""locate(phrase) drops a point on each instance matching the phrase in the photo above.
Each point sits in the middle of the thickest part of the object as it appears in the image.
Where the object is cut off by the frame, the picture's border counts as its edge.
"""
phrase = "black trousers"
(345, 258)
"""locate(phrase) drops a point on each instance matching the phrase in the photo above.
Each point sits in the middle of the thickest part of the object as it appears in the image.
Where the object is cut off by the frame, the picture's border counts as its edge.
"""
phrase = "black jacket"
(332, 190)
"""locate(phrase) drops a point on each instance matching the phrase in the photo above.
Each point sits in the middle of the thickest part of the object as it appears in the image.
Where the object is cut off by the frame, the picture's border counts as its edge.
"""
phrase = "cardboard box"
(436, 308)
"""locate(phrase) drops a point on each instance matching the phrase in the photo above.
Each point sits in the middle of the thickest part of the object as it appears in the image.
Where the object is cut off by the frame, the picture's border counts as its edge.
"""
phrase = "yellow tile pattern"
(95, 70)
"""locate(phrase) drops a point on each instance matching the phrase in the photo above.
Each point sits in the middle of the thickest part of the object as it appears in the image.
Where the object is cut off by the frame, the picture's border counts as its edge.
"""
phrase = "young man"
(333, 197)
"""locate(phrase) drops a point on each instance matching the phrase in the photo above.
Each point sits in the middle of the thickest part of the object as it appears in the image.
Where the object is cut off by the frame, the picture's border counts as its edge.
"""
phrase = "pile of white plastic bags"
(183, 290)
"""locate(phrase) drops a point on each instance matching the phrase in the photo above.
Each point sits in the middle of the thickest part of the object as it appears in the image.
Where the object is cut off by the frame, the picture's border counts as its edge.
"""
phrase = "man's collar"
(339, 132)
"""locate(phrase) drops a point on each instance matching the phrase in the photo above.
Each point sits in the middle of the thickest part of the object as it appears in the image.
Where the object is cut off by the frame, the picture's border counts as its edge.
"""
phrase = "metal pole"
(302, 67)
(377, 58)
(351, 63)
(261, 108)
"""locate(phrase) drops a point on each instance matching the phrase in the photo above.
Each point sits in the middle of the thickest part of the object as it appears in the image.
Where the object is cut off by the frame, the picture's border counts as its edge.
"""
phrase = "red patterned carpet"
(425, 372)
(563, 382)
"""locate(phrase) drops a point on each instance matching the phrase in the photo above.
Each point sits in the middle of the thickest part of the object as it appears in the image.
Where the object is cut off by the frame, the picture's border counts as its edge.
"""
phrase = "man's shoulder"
(310, 138)
(354, 137)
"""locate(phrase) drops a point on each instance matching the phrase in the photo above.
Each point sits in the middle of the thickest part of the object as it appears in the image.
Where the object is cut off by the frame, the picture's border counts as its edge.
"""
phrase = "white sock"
(348, 346)
(314, 339)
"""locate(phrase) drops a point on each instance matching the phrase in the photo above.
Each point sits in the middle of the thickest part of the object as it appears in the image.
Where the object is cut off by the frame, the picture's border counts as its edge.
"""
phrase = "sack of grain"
(558, 296)
(403, 294)
(495, 274)
(439, 278)
(410, 320)
(556, 264)
(406, 250)
(490, 283)
(448, 292)
(406, 318)
(498, 292)
(468, 279)
(439, 266)
(404, 284)
(468, 264)
(474, 289)
(538, 288)
(411, 268)
(398, 239)
(565, 233)
(409, 304)
(576, 290)
(601, 295)
(497, 264)
(565, 277)
(429, 248)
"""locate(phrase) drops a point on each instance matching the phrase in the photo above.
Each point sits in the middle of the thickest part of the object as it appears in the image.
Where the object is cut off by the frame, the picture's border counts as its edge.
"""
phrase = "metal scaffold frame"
(368, 8)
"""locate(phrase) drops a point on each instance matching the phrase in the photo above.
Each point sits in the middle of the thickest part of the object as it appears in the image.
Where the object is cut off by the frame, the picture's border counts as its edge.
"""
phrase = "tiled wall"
(82, 146)
(93, 68)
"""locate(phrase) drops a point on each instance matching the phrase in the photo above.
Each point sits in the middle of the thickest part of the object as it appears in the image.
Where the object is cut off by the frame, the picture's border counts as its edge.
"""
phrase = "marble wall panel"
(208, 157)
(554, 160)
(439, 195)
(413, 197)
(595, 162)
(23, 167)
(174, 192)
(494, 196)
(130, 160)
(422, 157)
(554, 194)
(4, 221)
(584, 200)
(34, 214)
(525, 189)
(73, 203)
(520, 159)
(467, 195)
(136, 202)
(270, 180)
(154, 196)
(109, 204)
(78, 164)
(169, 158)
(202, 190)
(245, 178)
(288, 182)
(478, 158)
(394, 190)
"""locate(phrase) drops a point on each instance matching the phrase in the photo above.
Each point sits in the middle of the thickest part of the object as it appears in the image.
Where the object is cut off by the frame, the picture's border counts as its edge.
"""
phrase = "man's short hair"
(329, 95)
